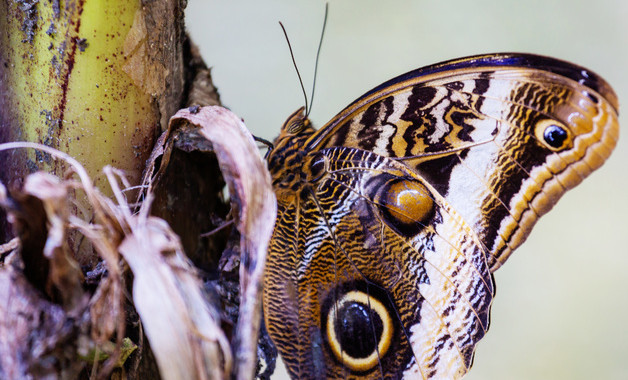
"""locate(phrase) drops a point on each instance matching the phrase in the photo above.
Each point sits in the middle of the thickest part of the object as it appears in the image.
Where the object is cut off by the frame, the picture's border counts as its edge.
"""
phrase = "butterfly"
(393, 216)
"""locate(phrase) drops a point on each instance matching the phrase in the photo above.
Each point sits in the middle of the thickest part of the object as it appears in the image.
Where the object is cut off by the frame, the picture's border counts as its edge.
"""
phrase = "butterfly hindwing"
(377, 234)
(393, 215)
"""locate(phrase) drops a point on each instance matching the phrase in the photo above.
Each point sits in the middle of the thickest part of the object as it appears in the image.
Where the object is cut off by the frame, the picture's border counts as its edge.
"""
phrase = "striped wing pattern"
(393, 215)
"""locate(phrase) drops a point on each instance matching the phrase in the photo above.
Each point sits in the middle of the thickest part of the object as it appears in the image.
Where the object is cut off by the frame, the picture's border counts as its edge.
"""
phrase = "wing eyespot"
(359, 330)
(406, 205)
(553, 135)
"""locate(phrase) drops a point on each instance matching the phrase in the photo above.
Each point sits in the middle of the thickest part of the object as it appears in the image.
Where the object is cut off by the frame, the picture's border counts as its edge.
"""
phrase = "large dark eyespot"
(553, 134)
(359, 330)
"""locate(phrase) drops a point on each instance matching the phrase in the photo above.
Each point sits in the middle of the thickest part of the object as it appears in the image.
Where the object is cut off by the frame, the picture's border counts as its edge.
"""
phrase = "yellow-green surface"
(69, 87)
(561, 310)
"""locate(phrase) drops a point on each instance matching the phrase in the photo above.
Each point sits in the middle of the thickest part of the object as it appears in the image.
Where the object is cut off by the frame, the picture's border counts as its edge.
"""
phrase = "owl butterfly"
(392, 217)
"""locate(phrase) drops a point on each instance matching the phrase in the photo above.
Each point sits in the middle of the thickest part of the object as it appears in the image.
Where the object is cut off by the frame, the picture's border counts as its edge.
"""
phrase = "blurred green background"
(561, 310)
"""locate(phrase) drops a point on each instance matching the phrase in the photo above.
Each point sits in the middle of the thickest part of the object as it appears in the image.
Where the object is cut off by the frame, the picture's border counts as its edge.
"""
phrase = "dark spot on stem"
(82, 44)
(51, 29)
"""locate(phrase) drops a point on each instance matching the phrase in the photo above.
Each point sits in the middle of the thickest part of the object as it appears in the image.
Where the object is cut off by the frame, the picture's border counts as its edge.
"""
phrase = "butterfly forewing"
(393, 215)
(477, 134)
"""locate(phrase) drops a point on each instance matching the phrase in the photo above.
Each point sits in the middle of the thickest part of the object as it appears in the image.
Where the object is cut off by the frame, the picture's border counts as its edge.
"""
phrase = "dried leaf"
(42, 215)
(184, 335)
(65, 274)
(254, 205)
(181, 324)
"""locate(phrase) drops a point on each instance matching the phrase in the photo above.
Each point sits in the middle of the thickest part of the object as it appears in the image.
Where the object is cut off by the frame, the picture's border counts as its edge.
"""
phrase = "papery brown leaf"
(254, 205)
(184, 333)
(65, 274)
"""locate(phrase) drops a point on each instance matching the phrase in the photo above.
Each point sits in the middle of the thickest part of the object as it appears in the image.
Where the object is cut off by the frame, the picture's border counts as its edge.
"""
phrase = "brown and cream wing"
(385, 279)
(501, 137)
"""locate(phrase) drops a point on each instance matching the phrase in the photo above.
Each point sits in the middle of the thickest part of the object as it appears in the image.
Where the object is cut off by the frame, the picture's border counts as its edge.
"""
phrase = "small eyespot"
(553, 134)
(359, 330)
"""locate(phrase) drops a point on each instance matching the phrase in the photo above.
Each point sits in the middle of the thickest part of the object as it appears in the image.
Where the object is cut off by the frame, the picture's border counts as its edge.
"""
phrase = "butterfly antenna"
(318, 53)
(295, 66)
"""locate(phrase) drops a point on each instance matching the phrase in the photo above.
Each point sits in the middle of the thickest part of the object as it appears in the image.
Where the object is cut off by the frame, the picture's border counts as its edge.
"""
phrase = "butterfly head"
(296, 123)
(287, 159)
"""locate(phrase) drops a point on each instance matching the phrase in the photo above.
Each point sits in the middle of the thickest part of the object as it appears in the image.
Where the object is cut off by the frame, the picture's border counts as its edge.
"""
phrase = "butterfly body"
(392, 216)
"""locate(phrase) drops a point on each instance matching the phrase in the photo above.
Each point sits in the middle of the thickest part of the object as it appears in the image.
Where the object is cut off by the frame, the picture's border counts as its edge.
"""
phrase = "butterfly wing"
(384, 280)
(501, 137)
(392, 216)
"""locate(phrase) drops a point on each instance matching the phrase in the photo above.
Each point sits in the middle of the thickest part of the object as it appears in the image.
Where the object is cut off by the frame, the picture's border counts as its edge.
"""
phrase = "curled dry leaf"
(204, 133)
(39, 213)
(8, 247)
(254, 199)
(65, 274)
(47, 294)
(37, 336)
(184, 333)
